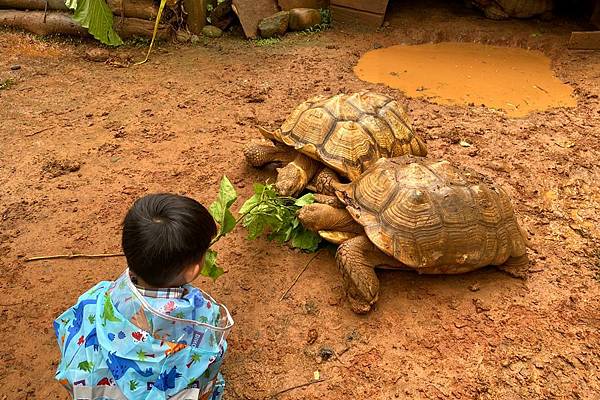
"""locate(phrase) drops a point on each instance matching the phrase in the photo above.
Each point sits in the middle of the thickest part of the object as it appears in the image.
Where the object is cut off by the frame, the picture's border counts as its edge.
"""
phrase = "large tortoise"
(419, 214)
(502, 9)
(347, 133)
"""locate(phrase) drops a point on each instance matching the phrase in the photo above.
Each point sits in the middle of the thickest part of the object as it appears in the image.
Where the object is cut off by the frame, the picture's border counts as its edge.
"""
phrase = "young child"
(149, 334)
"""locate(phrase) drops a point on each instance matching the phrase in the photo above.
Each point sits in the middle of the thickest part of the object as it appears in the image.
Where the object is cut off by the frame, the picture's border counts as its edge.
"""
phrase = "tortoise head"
(291, 180)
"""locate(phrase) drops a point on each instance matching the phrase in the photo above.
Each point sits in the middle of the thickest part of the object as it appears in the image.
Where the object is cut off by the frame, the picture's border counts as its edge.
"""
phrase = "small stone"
(15, 67)
(195, 39)
(97, 55)
(212, 31)
(474, 287)
(275, 25)
(183, 36)
(303, 18)
(313, 335)
(377, 45)
(325, 353)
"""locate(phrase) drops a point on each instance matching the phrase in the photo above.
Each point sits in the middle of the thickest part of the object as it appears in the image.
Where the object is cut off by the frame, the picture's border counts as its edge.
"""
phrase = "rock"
(222, 15)
(15, 67)
(325, 353)
(303, 18)
(183, 36)
(287, 5)
(275, 25)
(212, 31)
(313, 335)
(195, 39)
(97, 55)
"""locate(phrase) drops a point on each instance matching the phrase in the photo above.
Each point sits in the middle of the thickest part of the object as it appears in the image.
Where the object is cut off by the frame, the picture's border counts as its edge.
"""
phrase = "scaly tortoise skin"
(347, 133)
(502, 9)
(425, 215)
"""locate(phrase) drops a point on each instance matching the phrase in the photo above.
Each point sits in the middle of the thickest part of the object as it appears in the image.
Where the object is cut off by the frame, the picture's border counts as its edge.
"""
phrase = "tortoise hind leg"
(356, 259)
(516, 267)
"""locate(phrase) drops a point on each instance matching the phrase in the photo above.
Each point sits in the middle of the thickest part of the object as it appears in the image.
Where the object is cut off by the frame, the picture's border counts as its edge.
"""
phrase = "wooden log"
(143, 9)
(585, 40)
(351, 16)
(372, 6)
(196, 15)
(62, 23)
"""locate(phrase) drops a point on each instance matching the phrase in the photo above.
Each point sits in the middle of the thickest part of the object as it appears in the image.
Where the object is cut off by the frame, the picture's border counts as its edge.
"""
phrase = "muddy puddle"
(515, 80)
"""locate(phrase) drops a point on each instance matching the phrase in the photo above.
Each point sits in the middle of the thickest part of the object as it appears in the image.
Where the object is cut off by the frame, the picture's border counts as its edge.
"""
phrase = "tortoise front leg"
(323, 182)
(294, 177)
(259, 154)
(357, 259)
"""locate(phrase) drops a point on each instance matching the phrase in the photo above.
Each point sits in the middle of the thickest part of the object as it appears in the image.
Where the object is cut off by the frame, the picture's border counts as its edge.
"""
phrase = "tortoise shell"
(434, 217)
(349, 132)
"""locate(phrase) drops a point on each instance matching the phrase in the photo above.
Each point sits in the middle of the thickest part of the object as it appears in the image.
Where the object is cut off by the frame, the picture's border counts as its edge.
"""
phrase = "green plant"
(97, 17)
(6, 84)
(325, 22)
(263, 42)
(265, 211)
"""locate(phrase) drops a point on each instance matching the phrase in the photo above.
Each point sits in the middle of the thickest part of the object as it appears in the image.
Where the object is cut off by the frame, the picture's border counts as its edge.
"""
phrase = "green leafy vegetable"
(220, 211)
(97, 17)
(266, 211)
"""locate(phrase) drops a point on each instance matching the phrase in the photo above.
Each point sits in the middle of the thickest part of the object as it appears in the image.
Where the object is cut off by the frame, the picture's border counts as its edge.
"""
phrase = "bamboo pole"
(196, 15)
(144, 9)
(59, 22)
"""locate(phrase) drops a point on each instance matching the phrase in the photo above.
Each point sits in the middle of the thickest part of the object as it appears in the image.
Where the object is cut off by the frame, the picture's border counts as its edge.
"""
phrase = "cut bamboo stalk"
(144, 9)
(62, 23)
(196, 15)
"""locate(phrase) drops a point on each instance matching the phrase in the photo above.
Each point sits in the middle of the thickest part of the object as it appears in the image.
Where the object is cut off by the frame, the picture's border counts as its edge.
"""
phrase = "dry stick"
(298, 276)
(297, 387)
(45, 10)
(40, 131)
(70, 256)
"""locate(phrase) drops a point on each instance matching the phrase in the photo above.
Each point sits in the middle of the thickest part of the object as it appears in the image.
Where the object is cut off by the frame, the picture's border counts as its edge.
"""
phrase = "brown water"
(515, 80)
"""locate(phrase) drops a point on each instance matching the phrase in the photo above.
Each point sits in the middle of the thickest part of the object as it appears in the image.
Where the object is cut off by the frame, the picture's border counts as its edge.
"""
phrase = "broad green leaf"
(97, 17)
(228, 223)
(219, 209)
(308, 198)
(258, 188)
(210, 267)
(306, 240)
(250, 204)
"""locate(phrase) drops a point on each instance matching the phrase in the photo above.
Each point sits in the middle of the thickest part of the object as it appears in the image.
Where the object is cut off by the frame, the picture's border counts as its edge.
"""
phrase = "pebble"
(15, 67)
(325, 353)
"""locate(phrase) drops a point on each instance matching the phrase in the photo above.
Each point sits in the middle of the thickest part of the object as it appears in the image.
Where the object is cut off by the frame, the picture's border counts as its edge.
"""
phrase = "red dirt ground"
(81, 140)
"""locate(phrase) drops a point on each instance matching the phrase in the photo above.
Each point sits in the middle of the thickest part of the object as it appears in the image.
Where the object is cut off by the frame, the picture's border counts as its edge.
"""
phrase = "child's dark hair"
(163, 234)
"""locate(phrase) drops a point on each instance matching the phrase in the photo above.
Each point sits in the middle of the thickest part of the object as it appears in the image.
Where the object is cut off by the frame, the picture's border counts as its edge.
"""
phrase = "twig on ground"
(298, 276)
(70, 256)
(39, 131)
(12, 304)
(296, 387)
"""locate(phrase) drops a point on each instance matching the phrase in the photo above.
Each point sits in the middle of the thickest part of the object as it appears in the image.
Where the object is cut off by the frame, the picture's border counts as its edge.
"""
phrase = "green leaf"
(210, 267)
(250, 204)
(97, 17)
(308, 198)
(267, 212)
(306, 240)
(219, 209)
